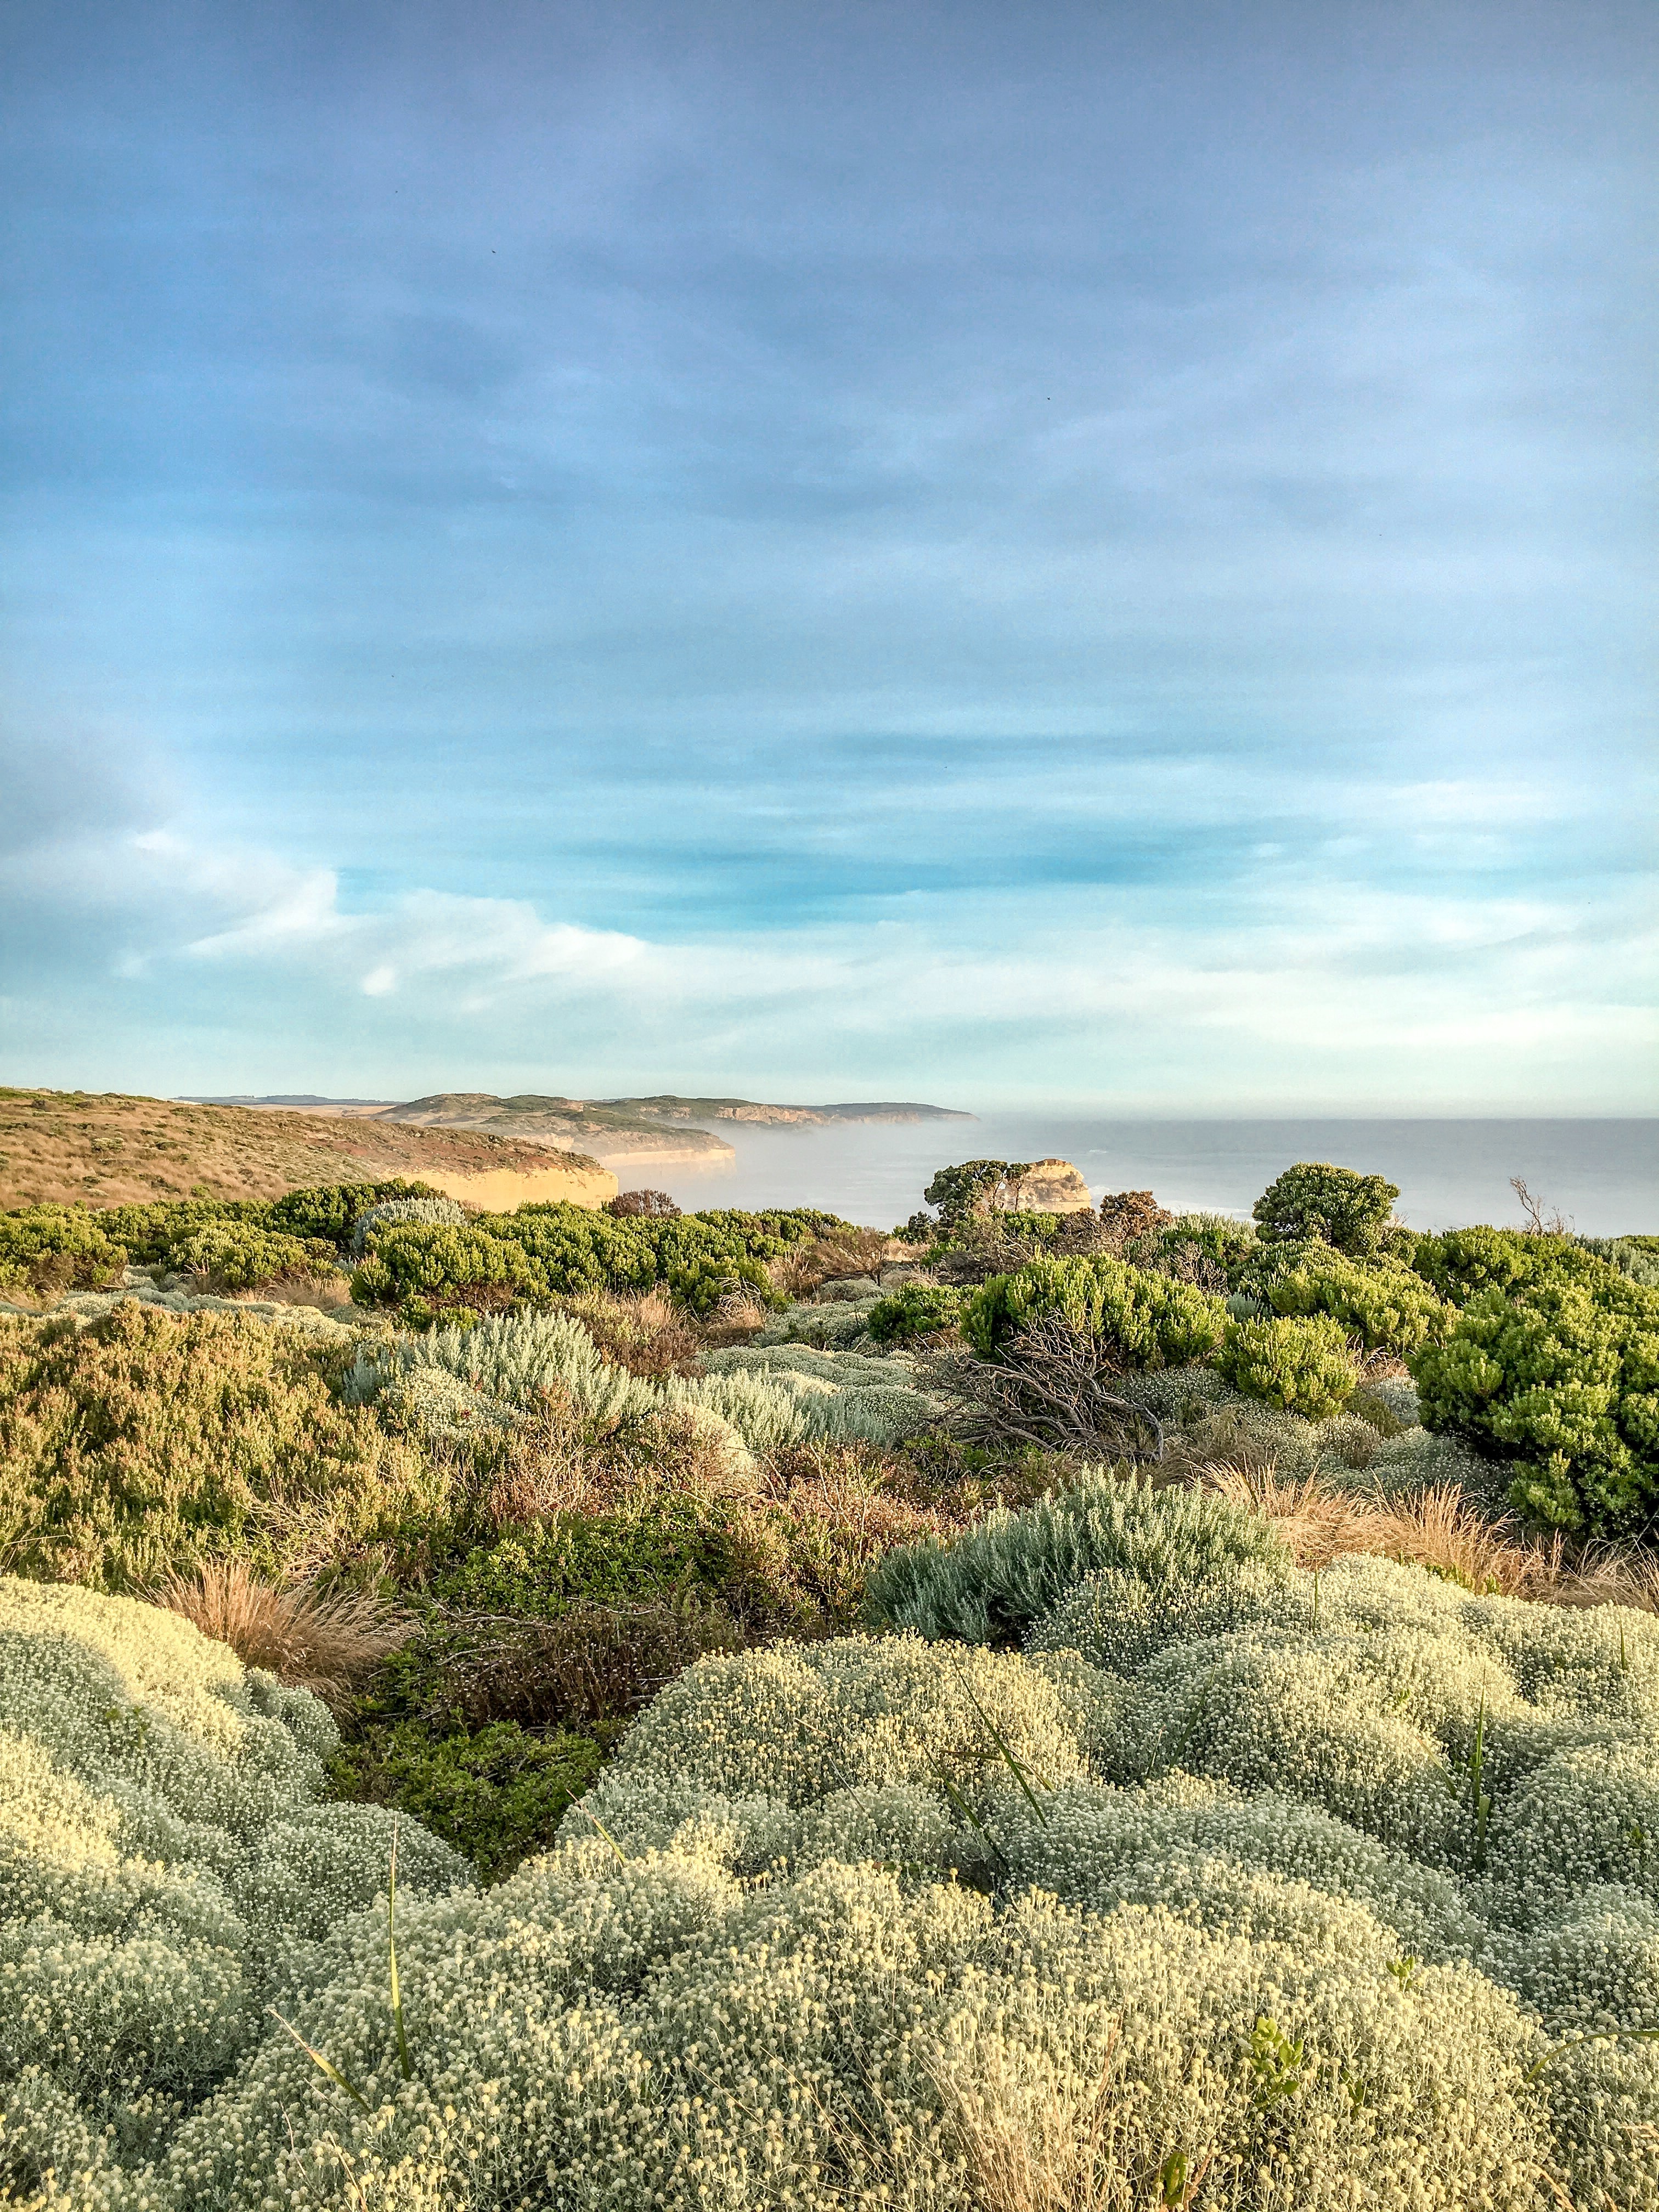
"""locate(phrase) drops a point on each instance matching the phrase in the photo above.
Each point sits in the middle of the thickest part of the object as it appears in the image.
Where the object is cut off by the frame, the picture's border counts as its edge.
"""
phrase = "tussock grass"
(324, 1641)
(1442, 1530)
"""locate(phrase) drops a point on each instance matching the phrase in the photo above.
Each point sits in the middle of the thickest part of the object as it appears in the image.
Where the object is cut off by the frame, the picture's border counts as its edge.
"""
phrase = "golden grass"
(322, 1641)
(1440, 1529)
(108, 1149)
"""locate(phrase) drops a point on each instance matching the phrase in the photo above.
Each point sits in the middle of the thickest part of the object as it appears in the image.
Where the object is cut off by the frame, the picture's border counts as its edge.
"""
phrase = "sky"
(995, 554)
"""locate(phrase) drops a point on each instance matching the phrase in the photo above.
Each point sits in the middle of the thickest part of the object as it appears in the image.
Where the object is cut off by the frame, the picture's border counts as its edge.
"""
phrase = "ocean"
(1602, 1175)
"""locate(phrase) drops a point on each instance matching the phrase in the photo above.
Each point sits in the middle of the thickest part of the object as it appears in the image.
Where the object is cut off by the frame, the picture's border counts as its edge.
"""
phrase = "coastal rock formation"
(1051, 1187)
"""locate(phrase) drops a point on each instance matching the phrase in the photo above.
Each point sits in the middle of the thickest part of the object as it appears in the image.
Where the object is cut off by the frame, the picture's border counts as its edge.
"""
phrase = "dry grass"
(799, 1273)
(1439, 1529)
(1033, 2143)
(648, 1335)
(111, 1150)
(323, 1641)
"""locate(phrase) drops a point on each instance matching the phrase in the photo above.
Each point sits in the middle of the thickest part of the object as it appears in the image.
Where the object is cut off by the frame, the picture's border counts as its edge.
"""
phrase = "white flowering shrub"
(437, 1212)
(1291, 1895)
(163, 1862)
(757, 1403)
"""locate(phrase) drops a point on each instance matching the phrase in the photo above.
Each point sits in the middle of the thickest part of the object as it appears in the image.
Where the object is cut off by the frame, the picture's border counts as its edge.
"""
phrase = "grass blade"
(392, 1947)
(317, 2059)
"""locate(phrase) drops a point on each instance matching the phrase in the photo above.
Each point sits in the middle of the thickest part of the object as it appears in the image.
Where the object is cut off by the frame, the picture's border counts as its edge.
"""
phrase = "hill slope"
(107, 1148)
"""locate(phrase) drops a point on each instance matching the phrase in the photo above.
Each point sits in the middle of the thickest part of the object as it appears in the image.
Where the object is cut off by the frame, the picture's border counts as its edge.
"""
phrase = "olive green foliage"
(497, 1795)
(563, 1250)
(1142, 1320)
(974, 1187)
(1305, 1366)
(1553, 1368)
(990, 1585)
(1462, 1262)
(653, 1544)
(46, 1249)
(158, 1234)
(236, 1255)
(915, 1309)
(1387, 1306)
(147, 1442)
(1333, 1206)
(1217, 1236)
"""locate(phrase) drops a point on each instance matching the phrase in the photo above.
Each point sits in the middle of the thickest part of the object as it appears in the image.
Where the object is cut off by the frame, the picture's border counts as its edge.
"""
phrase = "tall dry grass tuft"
(1438, 1528)
(324, 1641)
(1033, 2143)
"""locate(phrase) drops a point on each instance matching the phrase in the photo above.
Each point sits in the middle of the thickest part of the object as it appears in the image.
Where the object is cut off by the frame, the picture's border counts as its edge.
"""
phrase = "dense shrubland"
(1043, 1712)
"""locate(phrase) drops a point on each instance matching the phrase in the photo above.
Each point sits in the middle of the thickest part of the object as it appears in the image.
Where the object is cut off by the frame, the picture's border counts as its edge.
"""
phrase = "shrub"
(497, 1795)
(975, 1186)
(431, 1212)
(915, 1309)
(1379, 1929)
(333, 1210)
(989, 1585)
(560, 1250)
(1388, 1307)
(47, 1250)
(1227, 1242)
(166, 1869)
(150, 1442)
(236, 1255)
(1462, 1262)
(648, 1205)
(1302, 1365)
(1146, 1320)
(1315, 1201)
(1558, 1375)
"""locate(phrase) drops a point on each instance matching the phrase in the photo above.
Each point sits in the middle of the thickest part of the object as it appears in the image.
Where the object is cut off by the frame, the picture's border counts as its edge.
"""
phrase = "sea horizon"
(1600, 1173)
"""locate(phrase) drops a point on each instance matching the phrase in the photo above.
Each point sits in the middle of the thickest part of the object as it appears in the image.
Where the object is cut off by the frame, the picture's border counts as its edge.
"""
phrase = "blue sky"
(1003, 554)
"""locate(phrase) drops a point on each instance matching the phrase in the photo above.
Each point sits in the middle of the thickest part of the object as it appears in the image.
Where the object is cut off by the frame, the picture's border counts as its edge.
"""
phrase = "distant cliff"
(620, 1132)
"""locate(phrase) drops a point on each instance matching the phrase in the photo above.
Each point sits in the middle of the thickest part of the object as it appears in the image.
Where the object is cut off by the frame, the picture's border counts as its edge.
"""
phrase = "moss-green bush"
(646, 1549)
(46, 1249)
(496, 1795)
(1556, 1373)
(1314, 1201)
(1142, 1320)
(1387, 1306)
(238, 1255)
(563, 1251)
(149, 1441)
(915, 1309)
(1303, 1364)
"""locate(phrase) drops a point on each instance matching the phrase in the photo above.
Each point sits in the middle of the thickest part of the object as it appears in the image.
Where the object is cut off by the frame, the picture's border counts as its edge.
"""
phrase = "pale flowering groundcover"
(1237, 1886)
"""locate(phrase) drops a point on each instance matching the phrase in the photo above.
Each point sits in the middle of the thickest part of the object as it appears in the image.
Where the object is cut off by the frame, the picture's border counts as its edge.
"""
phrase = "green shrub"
(564, 1251)
(333, 1210)
(643, 1550)
(915, 1309)
(236, 1255)
(1557, 1373)
(988, 1585)
(1313, 1200)
(1228, 1243)
(1305, 1366)
(1387, 1306)
(975, 1186)
(47, 1250)
(1462, 1262)
(497, 1795)
(1146, 1320)
(149, 1441)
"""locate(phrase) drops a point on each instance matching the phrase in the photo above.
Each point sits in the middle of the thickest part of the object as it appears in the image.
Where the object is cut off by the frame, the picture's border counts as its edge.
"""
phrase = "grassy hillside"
(109, 1150)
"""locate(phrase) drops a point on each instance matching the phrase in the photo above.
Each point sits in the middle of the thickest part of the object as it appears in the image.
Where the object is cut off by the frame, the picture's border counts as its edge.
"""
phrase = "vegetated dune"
(107, 1148)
